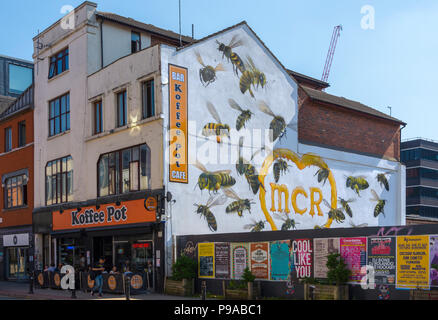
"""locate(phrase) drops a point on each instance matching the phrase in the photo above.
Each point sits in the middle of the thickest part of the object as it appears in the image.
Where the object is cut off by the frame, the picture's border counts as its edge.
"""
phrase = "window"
(59, 181)
(21, 134)
(16, 192)
(8, 139)
(98, 122)
(135, 42)
(124, 171)
(20, 78)
(148, 99)
(58, 63)
(121, 109)
(59, 115)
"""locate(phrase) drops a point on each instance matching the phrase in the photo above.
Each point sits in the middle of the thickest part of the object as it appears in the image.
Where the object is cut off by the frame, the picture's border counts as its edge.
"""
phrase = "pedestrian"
(98, 269)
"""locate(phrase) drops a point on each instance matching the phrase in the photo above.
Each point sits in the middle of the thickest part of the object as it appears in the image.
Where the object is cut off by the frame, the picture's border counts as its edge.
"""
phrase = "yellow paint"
(295, 193)
(314, 203)
(282, 190)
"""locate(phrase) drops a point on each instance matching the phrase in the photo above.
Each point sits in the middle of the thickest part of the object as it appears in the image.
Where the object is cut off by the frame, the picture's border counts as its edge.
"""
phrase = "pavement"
(20, 291)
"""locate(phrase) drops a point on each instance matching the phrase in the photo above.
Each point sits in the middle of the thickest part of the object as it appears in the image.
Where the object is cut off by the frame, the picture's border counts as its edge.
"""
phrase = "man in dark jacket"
(98, 269)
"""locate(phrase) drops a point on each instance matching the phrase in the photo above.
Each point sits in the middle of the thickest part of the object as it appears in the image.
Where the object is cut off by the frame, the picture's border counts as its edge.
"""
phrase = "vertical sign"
(322, 249)
(433, 243)
(301, 258)
(381, 256)
(222, 260)
(280, 264)
(178, 124)
(354, 253)
(206, 260)
(240, 256)
(260, 260)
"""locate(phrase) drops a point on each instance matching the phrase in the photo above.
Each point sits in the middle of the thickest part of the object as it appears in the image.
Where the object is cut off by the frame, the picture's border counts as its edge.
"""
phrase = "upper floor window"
(148, 99)
(8, 139)
(59, 181)
(59, 115)
(16, 192)
(58, 63)
(21, 134)
(20, 78)
(98, 120)
(135, 42)
(121, 109)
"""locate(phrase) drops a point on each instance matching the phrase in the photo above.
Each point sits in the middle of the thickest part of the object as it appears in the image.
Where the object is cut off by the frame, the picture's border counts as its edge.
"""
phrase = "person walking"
(98, 269)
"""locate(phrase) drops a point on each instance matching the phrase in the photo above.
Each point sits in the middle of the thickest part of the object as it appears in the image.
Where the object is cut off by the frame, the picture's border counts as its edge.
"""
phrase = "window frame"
(137, 43)
(59, 178)
(144, 104)
(125, 108)
(8, 196)
(97, 104)
(8, 139)
(21, 135)
(54, 61)
(59, 116)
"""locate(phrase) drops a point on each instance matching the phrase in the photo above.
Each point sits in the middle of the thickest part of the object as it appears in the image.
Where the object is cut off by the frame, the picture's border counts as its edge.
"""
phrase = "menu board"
(413, 262)
(239, 259)
(381, 256)
(260, 260)
(280, 262)
(354, 253)
(222, 260)
(322, 248)
(206, 260)
(301, 253)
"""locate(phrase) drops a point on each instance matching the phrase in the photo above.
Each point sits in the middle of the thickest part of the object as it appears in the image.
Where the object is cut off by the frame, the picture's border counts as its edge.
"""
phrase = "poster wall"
(301, 254)
(280, 262)
(322, 248)
(433, 243)
(239, 259)
(413, 262)
(354, 253)
(206, 260)
(222, 260)
(381, 256)
(260, 260)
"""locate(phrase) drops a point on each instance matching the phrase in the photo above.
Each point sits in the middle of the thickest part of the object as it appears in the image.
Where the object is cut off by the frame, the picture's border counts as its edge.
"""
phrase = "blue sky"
(393, 65)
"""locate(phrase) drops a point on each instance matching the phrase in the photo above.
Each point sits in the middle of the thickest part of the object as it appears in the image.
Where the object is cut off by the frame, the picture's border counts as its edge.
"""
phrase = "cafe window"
(124, 171)
(21, 134)
(98, 117)
(148, 99)
(16, 192)
(59, 181)
(59, 115)
(135, 42)
(121, 109)
(8, 139)
(59, 63)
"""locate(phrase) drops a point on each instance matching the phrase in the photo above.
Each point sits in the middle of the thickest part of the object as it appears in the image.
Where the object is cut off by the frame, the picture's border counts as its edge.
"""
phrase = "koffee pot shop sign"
(129, 212)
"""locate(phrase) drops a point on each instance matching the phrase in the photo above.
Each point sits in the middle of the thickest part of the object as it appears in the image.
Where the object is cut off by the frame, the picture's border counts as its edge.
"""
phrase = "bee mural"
(380, 204)
(243, 167)
(346, 206)
(259, 78)
(280, 168)
(213, 181)
(239, 205)
(207, 74)
(205, 211)
(243, 118)
(215, 129)
(357, 184)
(278, 124)
(288, 222)
(318, 227)
(363, 225)
(323, 174)
(227, 50)
(381, 178)
(255, 226)
(251, 78)
(335, 214)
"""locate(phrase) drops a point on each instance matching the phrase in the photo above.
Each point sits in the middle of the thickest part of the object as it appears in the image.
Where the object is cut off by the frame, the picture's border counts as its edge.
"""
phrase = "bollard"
(312, 292)
(128, 287)
(73, 293)
(31, 282)
(204, 290)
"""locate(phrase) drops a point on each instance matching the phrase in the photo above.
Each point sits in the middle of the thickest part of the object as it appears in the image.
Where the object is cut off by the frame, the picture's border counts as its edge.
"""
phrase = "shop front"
(15, 255)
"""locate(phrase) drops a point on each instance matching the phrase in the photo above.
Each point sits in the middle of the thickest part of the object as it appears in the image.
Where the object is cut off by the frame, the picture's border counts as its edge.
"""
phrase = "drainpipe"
(101, 43)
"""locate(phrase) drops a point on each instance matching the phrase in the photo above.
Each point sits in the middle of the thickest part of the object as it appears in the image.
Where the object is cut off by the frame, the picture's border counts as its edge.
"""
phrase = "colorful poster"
(239, 259)
(301, 258)
(222, 260)
(206, 260)
(381, 256)
(322, 248)
(354, 253)
(413, 262)
(280, 262)
(260, 260)
(433, 243)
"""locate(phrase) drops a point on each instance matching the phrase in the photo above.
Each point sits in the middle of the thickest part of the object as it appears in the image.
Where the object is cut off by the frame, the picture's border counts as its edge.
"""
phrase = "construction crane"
(328, 63)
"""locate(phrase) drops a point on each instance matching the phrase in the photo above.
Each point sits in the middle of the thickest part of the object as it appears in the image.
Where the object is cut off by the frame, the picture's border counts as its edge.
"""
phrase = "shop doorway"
(103, 247)
(16, 263)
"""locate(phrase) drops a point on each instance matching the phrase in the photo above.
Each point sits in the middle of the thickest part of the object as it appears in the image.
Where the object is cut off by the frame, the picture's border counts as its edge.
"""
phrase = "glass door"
(17, 263)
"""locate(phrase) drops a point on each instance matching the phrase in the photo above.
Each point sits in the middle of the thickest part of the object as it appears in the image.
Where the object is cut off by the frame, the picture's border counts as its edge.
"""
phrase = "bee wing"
(375, 196)
(222, 171)
(199, 58)
(327, 204)
(248, 226)
(234, 43)
(210, 200)
(234, 105)
(276, 215)
(213, 112)
(251, 63)
(219, 201)
(265, 108)
(351, 200)
(230, 193)
(200, 166)
(219, 67)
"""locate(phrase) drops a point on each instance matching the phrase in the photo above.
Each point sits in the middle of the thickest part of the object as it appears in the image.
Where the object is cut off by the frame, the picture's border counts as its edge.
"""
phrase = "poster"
(322, 248)
(433, 243)
(239, 259)
(280, 262)
(413, 262)
(354, 253)
(301, 258)
(381, 256)
(222, 260)
(260, 260)
(206, 260)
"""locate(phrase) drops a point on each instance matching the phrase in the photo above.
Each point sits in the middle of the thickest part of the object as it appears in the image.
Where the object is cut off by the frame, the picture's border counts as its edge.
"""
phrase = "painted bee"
(251, 77)
(317, 227)
(288, 222)
(363, 225)
(215, 129)
(280, 167)
(335, 214)
(381, 178)
(239, 205)
(346, 206)
(323, 174)
(213, 181)
(243, 118)
(243, 167)
(278, 124)
(259, 78)
(380, 204)
(206, 212)
(237, 62)
(357, 183)
(207, 74)
(255, 226)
